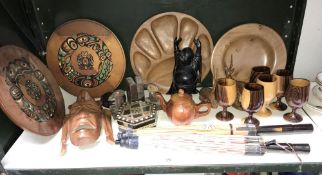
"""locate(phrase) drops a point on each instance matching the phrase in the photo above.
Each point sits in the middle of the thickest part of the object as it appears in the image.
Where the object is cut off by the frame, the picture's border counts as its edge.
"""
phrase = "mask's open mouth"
(84, 126)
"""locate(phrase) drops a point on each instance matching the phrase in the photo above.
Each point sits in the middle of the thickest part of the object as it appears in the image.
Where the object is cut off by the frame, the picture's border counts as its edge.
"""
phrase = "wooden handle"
(286, 128)
(203, 113)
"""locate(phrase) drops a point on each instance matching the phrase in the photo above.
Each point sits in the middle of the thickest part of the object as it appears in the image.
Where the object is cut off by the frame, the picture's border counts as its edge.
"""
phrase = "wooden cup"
(252, 99)
(269, 83)
(225, 93)
(296, 95)
(283, 78)
(257, 71)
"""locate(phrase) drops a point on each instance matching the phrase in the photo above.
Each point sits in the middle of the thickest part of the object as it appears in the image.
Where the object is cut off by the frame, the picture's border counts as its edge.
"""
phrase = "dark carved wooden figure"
(187, 68)
(84, 122)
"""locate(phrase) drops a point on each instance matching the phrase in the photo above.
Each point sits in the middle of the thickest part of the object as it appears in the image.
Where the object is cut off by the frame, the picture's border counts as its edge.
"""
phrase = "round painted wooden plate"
(152, 55)
(29, 93)
(248, 45)
(85, 55)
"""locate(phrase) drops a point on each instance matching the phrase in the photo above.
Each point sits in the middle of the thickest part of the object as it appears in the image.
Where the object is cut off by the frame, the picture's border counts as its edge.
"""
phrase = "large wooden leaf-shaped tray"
(29, 94)
(151, 51)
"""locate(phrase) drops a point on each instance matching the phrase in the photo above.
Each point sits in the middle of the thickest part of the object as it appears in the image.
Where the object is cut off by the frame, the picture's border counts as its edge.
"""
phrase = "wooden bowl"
(152, 54)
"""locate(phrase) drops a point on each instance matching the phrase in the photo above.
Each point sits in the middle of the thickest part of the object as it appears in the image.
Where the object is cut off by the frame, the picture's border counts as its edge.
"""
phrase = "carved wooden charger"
(29, 94)
(152, 55)
(248, 45)
(84, 54)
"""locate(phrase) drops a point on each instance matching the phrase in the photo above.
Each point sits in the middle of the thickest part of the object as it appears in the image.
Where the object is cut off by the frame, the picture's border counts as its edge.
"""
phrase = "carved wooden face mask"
(84, 122)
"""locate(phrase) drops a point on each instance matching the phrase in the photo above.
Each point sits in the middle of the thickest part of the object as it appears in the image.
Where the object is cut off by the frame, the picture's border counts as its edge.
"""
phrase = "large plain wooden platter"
(248, 45)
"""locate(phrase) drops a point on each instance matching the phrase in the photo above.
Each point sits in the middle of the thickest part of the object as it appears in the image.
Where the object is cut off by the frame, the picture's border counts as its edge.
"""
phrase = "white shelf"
(32, 151)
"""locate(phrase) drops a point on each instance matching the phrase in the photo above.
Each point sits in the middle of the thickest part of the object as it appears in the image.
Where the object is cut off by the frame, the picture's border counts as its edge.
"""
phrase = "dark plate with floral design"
(85, 55)
(29, 93)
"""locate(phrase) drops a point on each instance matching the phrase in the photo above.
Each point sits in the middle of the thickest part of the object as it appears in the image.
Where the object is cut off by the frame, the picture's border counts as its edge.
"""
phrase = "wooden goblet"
(269, 83)
(252, 99)
(283, 78)
(257, 71)
(225, 93)
(296, 95)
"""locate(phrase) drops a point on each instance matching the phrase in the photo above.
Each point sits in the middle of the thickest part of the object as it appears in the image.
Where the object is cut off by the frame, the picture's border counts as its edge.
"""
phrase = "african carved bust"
(84, 122)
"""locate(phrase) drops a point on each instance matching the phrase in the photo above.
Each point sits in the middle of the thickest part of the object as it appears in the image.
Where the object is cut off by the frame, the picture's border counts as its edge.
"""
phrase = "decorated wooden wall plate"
(85, 55)
(152, 52)
(29, 94)
(248, 45)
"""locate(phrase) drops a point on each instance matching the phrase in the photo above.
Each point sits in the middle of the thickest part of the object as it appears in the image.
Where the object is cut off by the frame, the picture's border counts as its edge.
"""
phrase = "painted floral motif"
(85, 60)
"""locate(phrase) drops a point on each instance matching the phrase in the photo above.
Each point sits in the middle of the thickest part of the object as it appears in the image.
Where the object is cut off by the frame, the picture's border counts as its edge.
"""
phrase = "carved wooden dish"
(85, 55)
(151, 52)
(29, 94)
(248, 45)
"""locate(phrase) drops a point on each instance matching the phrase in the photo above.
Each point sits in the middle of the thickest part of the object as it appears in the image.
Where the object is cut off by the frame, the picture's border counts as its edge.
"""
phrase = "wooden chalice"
(269, 83)
(283, 78)
(225, 93)
(297, 94)
(252, 99)
(257, 71)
